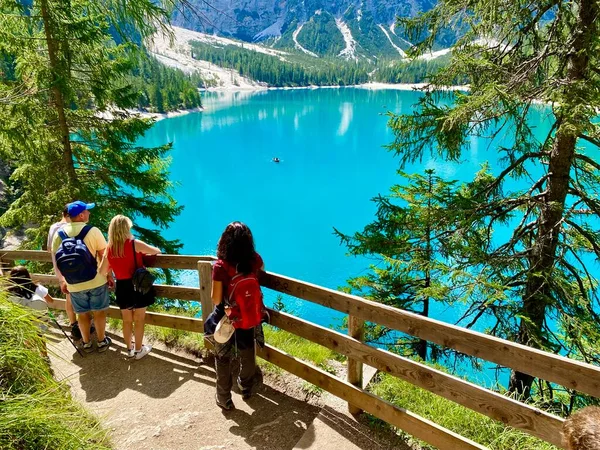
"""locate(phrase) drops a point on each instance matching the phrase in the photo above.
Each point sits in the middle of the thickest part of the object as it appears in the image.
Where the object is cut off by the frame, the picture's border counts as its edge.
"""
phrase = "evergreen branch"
(493, 186)
(591, 140)
(589, 237)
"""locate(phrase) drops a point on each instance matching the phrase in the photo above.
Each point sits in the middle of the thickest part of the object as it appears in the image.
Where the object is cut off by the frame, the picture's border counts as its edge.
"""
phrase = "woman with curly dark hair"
(237, 260)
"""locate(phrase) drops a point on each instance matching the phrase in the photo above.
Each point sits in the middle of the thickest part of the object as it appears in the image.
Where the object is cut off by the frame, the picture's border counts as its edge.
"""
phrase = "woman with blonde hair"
(123, 256)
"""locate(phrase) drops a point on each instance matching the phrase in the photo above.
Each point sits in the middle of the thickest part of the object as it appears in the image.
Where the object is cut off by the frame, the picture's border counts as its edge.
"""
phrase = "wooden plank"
(152, 318)
(492, 404)
(407, 421)
(558, 369)
(162, 290)
(26, 255)
(162, 261)
(205, 280)
(181, 261)
(355, 367)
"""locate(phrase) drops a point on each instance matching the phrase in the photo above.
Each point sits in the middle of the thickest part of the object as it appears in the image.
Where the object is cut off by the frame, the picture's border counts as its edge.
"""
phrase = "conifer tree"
(516, 54)
(412, 241)
(64, 125)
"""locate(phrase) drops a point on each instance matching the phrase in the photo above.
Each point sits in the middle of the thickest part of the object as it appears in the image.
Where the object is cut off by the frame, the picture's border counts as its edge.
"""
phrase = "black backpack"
(74, 259)
(142, 279)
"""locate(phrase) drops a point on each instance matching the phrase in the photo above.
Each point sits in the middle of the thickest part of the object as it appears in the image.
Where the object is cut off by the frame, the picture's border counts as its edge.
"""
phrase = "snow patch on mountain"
(183, 36)
(297, 44)
(177, 53)
(432, 55)
(398, 49)
(350, 51)
(274, 30)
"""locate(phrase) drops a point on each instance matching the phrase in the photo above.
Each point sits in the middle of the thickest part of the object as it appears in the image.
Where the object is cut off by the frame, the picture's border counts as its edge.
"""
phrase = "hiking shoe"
(143, 351)
(227, 406)
(75, 331)
(89, 347)
(104, 344)
(246, 393)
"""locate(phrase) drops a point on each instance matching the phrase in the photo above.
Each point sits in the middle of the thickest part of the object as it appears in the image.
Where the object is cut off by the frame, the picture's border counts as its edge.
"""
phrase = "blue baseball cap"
(77, 207)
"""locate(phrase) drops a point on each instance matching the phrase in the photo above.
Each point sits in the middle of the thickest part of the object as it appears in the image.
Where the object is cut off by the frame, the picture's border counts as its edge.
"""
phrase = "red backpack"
(245, 300)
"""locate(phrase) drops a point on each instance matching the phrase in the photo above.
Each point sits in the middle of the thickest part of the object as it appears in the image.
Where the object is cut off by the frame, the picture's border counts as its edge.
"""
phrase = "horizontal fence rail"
(152, 318)
(492, 404)
(573, 374)
(558, 369)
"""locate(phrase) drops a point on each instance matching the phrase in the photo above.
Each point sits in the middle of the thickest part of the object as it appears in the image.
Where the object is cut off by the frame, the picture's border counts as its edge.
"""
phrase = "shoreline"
(167, 115)
(251, 89)
(374, 86)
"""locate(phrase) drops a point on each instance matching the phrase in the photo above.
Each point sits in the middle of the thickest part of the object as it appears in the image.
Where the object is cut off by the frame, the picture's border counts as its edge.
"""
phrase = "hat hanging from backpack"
(224, 330)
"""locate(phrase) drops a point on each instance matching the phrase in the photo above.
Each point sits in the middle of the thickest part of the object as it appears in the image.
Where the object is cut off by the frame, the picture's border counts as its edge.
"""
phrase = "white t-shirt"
(53, 229)
(36, 301)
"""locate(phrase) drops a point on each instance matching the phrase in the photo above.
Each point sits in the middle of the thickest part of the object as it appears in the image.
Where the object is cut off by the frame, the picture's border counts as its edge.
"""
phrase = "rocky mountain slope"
(349, 29)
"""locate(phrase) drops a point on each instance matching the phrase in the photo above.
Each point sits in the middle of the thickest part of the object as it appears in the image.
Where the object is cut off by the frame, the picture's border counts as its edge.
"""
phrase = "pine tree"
(411, 241)
(64, 127)
(515, 55)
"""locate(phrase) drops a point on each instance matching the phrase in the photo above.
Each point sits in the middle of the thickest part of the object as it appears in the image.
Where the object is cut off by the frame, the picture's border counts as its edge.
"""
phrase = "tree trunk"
(422, 345)
(59, 101)
(543, 256)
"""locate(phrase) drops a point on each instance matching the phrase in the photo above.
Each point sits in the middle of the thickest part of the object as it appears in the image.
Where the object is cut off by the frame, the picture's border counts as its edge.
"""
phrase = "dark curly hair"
(20, 282)
(236, 247)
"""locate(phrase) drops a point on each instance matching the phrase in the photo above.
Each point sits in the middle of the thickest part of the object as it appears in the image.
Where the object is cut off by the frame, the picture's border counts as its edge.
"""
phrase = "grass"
(36, 411)
(455, 417)
(194, 342)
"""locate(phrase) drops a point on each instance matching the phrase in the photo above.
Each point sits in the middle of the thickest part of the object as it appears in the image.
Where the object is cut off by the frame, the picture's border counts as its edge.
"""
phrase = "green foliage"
(467, 423)
(514, 56)
(163, 88)
(372, 41)
(411, 71)
(321, 35)
(65, 129)
(271, 70)
(36, 411)
(412, 241)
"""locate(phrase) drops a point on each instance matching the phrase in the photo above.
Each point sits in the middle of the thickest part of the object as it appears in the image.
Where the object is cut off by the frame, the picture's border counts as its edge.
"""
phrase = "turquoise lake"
(333, 162)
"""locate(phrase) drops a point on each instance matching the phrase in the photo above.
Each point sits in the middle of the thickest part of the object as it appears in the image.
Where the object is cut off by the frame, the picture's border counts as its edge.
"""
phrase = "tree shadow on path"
(104, 375)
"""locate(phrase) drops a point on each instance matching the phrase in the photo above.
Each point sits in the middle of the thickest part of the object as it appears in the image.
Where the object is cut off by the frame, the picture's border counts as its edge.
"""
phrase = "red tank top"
(124, 266)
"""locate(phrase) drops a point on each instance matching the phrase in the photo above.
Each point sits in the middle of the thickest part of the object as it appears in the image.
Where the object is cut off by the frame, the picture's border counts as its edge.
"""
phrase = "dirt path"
(166, 401)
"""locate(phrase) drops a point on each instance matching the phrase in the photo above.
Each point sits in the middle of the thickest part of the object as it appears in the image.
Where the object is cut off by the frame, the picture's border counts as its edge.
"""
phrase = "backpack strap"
(61, 233)
(134, 255)
(83, 233)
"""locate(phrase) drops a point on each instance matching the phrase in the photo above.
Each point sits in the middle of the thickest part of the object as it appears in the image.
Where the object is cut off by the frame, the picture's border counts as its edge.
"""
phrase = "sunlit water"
(333, 162)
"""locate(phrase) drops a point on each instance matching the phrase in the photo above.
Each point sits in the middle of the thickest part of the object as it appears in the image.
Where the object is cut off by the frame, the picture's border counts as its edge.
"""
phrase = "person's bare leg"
(70, 311)
(127, 315)
(100, 323)
(139, 317)
(85, 321)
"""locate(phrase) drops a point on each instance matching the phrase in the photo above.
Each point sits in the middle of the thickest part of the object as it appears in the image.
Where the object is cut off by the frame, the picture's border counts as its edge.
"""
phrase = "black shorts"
(127, 298)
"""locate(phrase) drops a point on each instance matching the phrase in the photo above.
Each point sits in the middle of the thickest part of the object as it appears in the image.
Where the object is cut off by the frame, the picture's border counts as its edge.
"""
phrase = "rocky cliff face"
(346, 28)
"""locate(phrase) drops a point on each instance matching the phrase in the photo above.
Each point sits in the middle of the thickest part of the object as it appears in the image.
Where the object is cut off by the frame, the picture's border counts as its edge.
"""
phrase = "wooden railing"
(569, 373)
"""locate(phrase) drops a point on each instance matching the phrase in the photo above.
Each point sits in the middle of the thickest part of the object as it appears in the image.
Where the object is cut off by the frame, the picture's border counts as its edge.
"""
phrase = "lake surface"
(333, 162)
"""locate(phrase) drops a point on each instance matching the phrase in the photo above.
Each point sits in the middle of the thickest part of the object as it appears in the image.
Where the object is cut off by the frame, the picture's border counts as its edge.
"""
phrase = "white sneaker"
(143, 351)
(131, 352)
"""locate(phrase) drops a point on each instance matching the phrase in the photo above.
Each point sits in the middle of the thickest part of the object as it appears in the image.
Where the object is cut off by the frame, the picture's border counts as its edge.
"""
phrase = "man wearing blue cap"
(78, 248)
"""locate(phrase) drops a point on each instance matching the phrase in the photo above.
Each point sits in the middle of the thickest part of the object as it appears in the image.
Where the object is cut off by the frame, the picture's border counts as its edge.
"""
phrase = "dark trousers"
(242, 345)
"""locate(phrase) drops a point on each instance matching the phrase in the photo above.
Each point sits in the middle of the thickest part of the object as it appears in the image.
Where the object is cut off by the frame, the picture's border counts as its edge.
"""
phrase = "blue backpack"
(74, 259)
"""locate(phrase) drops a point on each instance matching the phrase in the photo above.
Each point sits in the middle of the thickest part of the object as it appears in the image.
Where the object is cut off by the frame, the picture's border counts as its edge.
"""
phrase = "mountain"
(349, 29)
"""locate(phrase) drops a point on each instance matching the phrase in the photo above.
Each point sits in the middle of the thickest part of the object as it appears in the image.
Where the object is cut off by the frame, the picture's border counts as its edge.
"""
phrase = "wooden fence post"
(205, 280)
(355, 368)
